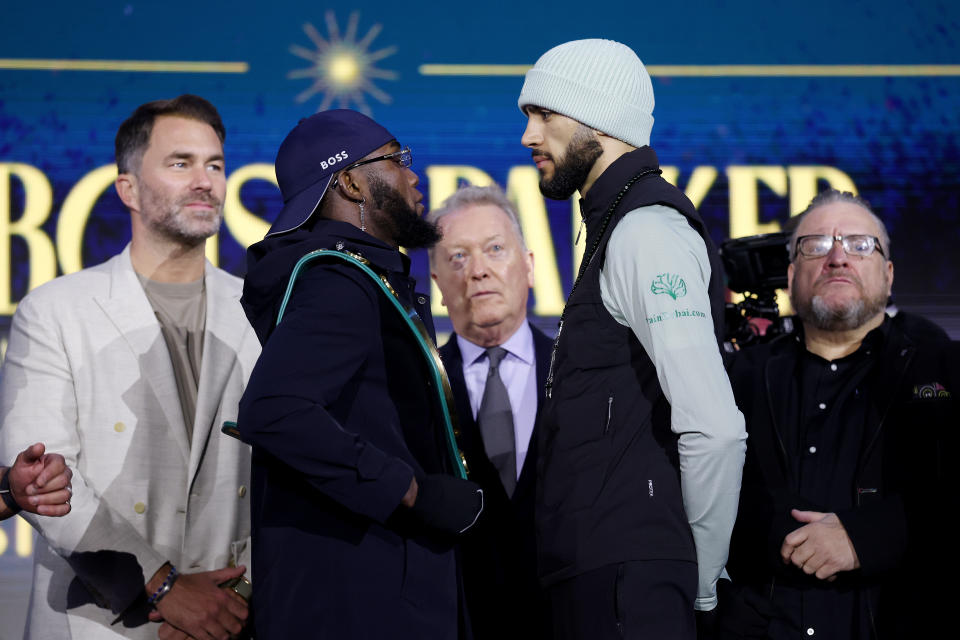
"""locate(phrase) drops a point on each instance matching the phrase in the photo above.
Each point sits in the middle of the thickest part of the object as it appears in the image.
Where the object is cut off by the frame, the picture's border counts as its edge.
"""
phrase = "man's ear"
(128, 190)
(348, 183)
(789, 278)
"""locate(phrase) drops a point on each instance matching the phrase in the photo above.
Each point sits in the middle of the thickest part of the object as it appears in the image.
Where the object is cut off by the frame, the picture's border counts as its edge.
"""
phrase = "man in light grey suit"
(127, 369)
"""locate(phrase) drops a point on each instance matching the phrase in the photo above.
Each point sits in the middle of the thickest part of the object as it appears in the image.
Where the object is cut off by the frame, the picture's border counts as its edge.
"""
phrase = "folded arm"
(317, 358)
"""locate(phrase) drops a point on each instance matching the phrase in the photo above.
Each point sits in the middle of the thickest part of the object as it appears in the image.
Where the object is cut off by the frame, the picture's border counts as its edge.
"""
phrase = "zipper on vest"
(606, 428)
(585, 262)
(553, 359)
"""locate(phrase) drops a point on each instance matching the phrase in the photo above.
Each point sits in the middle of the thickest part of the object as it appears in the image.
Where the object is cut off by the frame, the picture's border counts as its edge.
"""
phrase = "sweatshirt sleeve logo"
(669, 283)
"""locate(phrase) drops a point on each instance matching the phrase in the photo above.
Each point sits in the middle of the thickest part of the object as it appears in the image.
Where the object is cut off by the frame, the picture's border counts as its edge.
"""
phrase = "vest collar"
(608, 185)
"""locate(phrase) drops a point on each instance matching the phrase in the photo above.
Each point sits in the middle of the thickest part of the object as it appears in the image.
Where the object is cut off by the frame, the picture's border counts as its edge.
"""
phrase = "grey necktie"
(495, 419)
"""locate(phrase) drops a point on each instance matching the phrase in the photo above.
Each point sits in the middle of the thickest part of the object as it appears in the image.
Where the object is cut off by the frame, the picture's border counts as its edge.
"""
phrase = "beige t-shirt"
(181, 309)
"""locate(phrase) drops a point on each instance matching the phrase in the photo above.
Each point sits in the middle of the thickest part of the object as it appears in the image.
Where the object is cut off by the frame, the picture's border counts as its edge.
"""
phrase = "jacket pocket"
(429, 576)
(578, 452)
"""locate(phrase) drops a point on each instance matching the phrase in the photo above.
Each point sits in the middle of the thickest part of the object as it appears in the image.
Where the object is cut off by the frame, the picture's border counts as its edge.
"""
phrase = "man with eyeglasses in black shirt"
(847, 420)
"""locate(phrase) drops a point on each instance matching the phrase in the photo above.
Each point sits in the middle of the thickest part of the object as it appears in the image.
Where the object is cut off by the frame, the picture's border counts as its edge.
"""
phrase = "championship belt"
(438, 374)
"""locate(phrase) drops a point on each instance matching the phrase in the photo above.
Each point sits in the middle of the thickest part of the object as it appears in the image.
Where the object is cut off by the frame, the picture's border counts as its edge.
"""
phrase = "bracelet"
(7, 495)
(164, 588)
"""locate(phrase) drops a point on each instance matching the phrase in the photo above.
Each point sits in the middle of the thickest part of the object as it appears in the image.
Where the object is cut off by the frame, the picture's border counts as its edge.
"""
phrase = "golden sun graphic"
(342, 66)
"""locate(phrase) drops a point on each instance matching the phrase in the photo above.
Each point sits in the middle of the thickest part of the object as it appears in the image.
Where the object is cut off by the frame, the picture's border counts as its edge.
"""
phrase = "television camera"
(756, 266)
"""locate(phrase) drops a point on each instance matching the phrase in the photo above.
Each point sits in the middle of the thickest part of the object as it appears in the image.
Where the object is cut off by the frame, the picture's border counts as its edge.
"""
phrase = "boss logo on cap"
(334, 159)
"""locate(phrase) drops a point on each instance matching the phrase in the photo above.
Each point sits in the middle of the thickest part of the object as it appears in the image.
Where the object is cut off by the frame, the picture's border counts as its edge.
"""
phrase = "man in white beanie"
(641, 441)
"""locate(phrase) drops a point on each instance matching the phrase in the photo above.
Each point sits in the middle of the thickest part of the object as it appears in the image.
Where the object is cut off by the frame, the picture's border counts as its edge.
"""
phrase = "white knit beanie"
(601, 83)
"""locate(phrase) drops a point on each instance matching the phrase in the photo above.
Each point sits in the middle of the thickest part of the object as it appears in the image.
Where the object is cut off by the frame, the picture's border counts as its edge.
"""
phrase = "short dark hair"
(134, 134)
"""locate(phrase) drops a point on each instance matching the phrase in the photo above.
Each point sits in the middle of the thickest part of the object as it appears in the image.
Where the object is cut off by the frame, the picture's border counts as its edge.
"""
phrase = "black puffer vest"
(608, 475)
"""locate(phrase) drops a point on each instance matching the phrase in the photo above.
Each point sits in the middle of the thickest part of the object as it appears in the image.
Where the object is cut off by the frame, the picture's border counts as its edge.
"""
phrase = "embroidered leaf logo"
(669, 283)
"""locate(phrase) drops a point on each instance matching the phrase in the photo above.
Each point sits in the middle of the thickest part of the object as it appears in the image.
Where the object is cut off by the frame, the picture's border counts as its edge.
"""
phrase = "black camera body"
(756, 266)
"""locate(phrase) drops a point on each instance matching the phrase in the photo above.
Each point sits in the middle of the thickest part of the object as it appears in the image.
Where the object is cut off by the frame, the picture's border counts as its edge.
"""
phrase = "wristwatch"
(7, 495)
(240, 586)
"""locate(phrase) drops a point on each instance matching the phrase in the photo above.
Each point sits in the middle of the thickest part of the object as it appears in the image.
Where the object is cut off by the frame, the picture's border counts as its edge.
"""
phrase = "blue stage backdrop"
(759, 106)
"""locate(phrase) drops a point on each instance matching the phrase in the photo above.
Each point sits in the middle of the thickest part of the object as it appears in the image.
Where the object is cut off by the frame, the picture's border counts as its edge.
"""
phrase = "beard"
(170, 218)
(845, 316)
(398, 218)
(570, 173)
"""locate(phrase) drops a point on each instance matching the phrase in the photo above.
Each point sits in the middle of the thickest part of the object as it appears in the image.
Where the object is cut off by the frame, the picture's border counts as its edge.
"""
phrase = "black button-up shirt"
(828, 403)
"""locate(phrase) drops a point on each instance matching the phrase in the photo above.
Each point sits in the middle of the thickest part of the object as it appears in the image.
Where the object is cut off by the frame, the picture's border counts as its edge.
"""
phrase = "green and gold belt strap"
(438, 374)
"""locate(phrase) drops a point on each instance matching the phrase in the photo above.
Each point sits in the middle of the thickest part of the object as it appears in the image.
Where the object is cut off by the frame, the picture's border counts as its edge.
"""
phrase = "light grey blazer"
(88, 373)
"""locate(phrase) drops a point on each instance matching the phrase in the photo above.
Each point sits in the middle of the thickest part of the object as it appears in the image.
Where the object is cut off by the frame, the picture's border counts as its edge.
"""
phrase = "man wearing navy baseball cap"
(356, 501)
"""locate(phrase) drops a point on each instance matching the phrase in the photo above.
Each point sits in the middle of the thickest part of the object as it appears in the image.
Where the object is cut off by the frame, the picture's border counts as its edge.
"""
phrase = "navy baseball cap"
(317, 148)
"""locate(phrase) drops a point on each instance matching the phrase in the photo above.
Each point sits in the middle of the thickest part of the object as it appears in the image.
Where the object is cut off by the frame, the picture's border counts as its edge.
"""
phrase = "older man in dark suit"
(497, 364)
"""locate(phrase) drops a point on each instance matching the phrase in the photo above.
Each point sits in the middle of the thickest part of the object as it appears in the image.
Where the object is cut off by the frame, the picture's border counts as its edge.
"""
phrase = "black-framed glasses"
(860, 245)
(403, 158)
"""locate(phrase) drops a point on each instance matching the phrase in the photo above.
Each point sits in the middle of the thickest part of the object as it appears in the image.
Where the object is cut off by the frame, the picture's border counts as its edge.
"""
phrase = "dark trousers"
(644, 599)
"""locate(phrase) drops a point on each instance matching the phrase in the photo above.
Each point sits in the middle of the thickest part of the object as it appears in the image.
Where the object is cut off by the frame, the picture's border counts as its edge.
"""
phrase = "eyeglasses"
(403, 158)
(853, 245)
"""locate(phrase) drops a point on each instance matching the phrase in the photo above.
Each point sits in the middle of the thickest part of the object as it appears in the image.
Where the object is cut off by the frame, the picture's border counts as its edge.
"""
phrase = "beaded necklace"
(548, 388)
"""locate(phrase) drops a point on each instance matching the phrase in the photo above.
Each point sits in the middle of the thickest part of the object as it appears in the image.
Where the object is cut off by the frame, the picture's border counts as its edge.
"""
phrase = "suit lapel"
(482, 470)
(471, 441)
(130, 312)
(453, 362)
(542, 348)
(221, 340)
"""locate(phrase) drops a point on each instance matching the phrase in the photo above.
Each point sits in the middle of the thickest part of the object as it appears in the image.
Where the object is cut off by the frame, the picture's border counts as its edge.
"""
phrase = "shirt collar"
(871, 344)
(519, 345)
